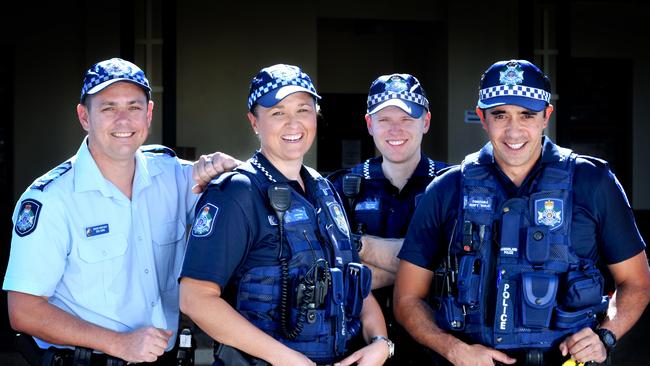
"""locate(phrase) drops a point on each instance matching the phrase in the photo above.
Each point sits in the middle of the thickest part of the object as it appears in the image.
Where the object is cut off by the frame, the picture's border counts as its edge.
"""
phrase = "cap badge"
(285, 73)
(396, 84)
(511, 75)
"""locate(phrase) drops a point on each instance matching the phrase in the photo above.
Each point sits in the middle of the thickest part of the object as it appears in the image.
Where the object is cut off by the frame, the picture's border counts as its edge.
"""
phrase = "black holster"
(226, 355)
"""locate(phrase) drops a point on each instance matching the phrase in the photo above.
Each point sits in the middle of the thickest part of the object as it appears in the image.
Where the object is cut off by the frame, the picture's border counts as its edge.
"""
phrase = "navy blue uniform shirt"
(602, 229)
(241, 230)
(382, 208)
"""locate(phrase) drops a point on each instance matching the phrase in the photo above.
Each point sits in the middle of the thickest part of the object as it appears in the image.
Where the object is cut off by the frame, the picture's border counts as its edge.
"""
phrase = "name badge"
(97, 230)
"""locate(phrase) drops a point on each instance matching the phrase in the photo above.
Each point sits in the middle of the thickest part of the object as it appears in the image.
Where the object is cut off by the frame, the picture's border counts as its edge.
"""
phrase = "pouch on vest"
(450, 314)
(584, 288)
(538, 291)
(538, 246)
(586, 317)
(357, 287)
(469, 280)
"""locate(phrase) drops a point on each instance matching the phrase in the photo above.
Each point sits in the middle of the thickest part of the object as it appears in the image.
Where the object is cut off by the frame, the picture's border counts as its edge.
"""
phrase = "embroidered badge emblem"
(204, 221)
(396, 84)
(284, 73)
(549, 212)
(511, 75)
(27, 217)
(339, 218)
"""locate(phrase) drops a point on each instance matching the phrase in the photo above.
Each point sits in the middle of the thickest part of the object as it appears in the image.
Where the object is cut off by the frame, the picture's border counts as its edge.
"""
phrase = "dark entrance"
(595, 113)
(6, 179)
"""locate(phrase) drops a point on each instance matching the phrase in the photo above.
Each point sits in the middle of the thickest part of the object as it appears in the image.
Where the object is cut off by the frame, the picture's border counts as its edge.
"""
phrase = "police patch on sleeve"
(27, 217)
(339, 218)
(549, 212)
(204, 221)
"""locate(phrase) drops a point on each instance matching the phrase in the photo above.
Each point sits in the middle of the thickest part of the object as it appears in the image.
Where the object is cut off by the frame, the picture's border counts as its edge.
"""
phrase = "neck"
(120, 173)
(516, 174)
(399, 173)
(290, 169)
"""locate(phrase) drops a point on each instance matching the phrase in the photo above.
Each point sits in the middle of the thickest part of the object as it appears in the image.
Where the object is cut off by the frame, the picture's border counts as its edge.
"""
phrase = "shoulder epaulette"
(157, 149)
(596, 161)
(445, 169)
(50, 176)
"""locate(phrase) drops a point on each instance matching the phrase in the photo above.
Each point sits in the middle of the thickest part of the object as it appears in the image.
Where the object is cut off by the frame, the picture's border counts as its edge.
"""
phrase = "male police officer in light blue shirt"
(98, 241)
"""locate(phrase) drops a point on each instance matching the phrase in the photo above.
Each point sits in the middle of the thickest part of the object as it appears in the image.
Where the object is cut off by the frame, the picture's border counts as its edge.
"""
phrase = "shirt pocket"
(168, 247)
(105, 269)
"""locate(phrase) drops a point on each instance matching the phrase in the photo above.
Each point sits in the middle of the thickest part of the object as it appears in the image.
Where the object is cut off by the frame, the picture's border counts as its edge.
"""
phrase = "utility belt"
(53, 356)
(81, 356)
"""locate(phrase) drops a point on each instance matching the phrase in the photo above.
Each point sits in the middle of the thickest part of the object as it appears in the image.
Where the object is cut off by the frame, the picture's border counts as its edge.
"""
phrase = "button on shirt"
(100, 256)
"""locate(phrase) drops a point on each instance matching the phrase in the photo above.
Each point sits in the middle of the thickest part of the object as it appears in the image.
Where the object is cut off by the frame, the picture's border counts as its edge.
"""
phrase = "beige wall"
(475, 42)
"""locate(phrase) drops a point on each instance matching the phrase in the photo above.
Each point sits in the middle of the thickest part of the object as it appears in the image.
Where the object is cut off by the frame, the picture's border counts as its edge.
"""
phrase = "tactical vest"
(319, 251)
(521, 248)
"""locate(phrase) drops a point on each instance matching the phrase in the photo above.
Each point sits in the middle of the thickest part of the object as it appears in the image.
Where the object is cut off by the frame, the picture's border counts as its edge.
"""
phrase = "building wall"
(50, 59)
(218, 52)
(620, 30)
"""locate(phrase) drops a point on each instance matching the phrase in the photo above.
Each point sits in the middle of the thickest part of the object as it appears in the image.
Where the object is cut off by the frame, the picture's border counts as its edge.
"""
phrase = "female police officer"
(269, 271)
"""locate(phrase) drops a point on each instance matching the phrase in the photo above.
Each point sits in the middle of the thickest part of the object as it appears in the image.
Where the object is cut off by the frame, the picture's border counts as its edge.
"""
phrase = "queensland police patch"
(204, 221)
(549, 212)
(339, 218)
(27, 217)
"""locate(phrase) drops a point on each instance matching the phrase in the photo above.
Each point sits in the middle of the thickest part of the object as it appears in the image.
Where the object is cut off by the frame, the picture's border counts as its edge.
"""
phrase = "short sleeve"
(618, 237)
(432, 223)
(39, 245)
(221, 233)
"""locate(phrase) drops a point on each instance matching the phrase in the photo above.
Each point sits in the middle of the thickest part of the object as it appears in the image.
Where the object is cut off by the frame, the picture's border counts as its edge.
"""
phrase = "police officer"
(382, 192)
(520, 236)
(97, 240)
(270, 273)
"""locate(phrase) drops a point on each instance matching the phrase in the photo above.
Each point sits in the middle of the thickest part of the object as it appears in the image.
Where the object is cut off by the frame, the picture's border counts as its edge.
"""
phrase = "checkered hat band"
(268, 87)
(517, 91)
(100, 79)
(411, 97)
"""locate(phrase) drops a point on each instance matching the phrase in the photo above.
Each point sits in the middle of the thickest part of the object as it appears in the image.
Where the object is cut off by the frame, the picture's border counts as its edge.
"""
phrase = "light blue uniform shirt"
(96, 254)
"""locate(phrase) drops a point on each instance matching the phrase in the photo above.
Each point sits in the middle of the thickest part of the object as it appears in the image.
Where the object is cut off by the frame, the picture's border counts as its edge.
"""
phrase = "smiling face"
(117, 120)
(516, 136)
(287, 129)
(396, 134)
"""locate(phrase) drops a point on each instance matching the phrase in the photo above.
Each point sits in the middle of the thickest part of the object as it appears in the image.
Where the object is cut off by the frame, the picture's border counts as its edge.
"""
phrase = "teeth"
(122, 134)
(295, 137)
(396, 142)
(515, 146)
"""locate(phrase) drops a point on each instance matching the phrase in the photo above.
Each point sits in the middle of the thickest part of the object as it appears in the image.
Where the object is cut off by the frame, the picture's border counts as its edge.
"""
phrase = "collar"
(261, 163)
(372, 168)
(88, 177)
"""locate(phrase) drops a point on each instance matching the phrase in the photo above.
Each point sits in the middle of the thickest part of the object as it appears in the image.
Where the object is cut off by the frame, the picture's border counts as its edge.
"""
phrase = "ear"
(369, 123)
(549, 111)
(253, 121)
(82, 114)
(149, 113)
(480, 114)
(427, 122)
